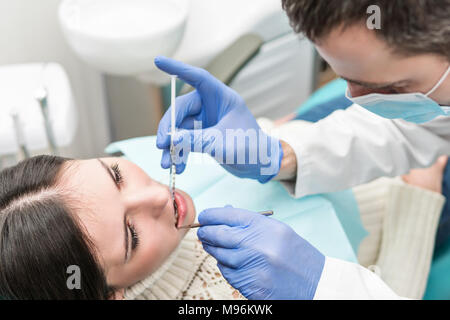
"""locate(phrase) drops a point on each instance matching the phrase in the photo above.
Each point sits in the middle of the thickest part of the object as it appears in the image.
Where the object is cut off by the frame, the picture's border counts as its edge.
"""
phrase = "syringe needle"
(173, 169)
(173, 130)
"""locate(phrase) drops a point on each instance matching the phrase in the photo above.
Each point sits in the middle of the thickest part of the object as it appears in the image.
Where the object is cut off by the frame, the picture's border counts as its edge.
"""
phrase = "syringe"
(173, 170)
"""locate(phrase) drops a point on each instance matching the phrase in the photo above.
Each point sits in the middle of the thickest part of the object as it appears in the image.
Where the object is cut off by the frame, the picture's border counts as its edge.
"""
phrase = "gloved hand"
(219, 111)
(260, 256)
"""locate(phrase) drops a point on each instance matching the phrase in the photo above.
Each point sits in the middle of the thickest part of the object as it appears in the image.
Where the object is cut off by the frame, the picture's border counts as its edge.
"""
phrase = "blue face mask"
(412, 107)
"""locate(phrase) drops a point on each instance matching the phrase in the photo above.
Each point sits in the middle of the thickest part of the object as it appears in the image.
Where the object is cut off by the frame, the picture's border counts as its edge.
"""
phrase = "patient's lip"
(182, 208)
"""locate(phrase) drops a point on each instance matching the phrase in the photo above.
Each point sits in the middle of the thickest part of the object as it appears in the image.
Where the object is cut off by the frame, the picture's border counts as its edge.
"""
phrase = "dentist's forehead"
(358, 54)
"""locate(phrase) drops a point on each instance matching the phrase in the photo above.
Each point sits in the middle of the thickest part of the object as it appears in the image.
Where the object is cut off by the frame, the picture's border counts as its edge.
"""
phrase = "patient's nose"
(152, 198)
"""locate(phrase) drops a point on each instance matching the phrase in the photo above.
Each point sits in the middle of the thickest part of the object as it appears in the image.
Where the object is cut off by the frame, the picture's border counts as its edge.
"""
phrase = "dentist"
(398, 78)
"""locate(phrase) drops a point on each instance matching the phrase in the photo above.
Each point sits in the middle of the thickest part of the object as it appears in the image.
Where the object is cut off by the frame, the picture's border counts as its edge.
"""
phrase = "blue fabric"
(346, 207)
(443, 234)
(438, 287)
(324, 109)
(328, 92)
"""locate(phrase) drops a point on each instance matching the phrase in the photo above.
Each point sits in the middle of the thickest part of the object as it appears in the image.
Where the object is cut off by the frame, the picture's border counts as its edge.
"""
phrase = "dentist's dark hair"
(410, 27)
(40, 237)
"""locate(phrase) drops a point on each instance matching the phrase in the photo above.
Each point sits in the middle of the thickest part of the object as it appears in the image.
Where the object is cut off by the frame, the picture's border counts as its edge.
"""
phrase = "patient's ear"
(118, 295)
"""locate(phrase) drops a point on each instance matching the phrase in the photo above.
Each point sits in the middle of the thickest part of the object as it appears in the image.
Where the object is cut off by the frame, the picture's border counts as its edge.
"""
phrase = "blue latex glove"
(219, 110)
(260, 256)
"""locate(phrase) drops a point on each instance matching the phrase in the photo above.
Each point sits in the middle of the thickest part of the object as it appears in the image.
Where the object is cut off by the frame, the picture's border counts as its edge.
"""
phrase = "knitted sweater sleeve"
(402, 221)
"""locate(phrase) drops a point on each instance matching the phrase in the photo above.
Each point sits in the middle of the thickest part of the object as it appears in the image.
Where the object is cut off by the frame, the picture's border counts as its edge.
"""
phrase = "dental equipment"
(19, 84)
(173, 170)
(41, 96)
(20, 137)
(197, 225)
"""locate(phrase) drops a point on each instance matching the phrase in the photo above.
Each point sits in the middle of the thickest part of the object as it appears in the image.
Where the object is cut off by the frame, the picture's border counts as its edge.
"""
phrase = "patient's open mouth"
(175, 206)
(180, 209)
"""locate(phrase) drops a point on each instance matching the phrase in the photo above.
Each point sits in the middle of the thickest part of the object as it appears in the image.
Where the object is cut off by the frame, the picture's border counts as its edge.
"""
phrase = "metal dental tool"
(20, 136)
(173, 170)
(197, 225)
(41, 97)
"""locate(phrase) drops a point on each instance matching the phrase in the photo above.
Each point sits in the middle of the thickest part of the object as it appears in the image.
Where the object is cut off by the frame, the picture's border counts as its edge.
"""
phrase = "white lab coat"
(354, 146)
(342, 280)
(348, 148)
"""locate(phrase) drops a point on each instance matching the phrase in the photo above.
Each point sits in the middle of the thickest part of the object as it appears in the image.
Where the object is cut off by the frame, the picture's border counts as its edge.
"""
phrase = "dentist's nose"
(152, 198)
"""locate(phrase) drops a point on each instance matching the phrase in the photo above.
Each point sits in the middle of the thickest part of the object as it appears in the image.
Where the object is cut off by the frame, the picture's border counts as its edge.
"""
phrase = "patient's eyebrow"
(105, 166)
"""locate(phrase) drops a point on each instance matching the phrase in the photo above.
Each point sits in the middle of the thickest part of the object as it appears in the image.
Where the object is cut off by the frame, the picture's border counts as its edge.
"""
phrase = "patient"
(109, 218)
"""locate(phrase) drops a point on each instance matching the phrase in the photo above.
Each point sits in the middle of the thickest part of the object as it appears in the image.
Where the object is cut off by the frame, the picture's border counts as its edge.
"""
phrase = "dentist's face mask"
(412, 107)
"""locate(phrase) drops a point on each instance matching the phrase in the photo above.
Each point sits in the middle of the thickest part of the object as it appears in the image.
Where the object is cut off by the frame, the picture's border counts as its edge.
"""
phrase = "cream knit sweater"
(402, 222)
(189, 274)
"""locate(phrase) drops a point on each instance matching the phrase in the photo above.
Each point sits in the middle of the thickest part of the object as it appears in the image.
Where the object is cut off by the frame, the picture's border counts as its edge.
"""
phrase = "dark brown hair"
(410, 27)
(40, 237)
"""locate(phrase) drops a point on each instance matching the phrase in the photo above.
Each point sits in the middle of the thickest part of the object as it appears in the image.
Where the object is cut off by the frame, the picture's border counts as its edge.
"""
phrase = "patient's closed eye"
(118, 177)
(134, 236)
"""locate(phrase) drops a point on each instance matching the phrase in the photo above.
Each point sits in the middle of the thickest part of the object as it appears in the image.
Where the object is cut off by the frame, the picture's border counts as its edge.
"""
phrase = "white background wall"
(29, 32)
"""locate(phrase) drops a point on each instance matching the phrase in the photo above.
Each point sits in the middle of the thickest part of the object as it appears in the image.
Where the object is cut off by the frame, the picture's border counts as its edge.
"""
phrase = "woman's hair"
(41, 237)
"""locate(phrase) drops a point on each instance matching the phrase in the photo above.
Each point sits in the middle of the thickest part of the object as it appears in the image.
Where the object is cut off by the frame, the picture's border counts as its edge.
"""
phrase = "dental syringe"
(173, 170)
